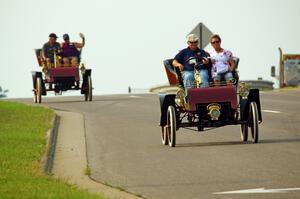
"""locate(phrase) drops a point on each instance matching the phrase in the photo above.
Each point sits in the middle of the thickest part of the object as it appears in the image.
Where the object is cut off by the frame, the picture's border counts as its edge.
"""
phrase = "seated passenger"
(50, 51)
(70, 52)
(181, 61)
(222, 61)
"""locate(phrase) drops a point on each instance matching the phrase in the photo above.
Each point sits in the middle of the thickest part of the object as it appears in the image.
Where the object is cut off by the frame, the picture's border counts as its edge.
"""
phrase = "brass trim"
(214, 107)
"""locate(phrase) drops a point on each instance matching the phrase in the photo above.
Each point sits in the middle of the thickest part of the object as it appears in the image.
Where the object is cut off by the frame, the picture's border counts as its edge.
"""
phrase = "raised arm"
(80, 45)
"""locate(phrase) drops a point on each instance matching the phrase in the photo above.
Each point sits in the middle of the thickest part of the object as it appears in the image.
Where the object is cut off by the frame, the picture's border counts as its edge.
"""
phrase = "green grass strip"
(22, 144)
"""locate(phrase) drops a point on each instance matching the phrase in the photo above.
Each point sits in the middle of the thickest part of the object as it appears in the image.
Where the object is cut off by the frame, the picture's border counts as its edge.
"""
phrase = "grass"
(87, 171)
(22, 144)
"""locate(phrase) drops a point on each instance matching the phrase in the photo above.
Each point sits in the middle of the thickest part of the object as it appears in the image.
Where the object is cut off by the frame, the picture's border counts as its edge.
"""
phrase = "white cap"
(192, 37)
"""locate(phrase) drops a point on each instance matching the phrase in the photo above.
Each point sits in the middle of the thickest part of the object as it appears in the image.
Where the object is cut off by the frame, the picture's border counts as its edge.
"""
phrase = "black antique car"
(202, 108)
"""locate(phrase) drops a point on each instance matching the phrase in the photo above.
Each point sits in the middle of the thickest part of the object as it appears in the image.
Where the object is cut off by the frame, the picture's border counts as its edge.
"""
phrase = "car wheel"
(34, 97)
(164, 136)
(38, 92)
(88, 95)
(171, 126)
(253, 123)
(244, 132)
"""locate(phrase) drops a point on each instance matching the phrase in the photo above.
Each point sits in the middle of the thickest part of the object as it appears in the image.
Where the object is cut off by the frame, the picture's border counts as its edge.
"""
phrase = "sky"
(127, 41)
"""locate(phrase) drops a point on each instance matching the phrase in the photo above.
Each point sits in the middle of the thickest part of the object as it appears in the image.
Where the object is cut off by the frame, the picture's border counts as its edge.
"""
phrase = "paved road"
(124, 149)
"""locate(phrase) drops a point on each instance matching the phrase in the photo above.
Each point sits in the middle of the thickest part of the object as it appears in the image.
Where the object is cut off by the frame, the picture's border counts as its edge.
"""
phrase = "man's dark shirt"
(183, 56)
(48, 49)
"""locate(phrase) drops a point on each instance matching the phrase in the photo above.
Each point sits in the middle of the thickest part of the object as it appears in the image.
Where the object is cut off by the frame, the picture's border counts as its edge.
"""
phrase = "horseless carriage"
(59, 79)
(202, 108)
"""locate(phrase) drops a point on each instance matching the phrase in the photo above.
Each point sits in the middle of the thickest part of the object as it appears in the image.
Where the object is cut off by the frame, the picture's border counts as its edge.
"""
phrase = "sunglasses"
(215, 42)
(193, 42)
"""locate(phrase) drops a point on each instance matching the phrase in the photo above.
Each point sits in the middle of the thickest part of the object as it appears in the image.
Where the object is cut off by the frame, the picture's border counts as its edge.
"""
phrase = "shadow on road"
(231, 143)
(211, 144)
(285, 140)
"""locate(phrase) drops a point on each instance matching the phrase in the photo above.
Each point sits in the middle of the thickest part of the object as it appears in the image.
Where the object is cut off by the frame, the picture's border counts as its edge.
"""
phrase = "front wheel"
(164, 135)
(253, 121)
(171, 126)
(244, 132)
(38, 90)
(34, 97)
(88, 95)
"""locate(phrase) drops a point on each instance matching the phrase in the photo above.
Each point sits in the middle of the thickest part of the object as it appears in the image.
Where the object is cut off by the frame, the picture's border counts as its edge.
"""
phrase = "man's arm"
(80, 45)
(175, 63)
(205, 57)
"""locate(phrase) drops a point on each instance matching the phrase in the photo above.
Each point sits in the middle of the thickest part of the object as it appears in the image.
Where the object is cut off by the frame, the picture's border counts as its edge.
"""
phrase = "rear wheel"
(164, 136)
(253, 121)
(34, 97)
(171, 126)
(244, 132)
(38, 90)
(88, 96)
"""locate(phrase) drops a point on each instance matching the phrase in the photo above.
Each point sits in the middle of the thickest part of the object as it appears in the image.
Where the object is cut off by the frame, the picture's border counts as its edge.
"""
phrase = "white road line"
(270, 111)
(134, 96)
(259, 190)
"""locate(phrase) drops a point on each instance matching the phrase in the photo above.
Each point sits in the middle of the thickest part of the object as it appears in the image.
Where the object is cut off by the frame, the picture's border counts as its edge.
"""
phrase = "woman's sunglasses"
(215, 42)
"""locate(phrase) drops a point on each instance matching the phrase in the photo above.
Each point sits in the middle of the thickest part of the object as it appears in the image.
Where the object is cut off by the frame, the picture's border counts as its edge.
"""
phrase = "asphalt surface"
(124, 149)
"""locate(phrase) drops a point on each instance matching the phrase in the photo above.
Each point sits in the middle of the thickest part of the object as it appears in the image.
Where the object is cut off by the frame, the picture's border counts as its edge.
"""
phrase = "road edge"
(70, 157)
(51, 137)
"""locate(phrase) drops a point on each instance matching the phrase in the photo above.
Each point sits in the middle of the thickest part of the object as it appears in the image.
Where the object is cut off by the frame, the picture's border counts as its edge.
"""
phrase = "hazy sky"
(126, 41)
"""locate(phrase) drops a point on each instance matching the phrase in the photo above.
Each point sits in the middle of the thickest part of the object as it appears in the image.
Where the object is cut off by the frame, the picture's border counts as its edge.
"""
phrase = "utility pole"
(281, 69)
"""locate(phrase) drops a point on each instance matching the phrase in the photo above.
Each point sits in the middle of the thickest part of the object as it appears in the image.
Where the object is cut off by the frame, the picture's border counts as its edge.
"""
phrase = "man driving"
(49, 50)
(182, 61)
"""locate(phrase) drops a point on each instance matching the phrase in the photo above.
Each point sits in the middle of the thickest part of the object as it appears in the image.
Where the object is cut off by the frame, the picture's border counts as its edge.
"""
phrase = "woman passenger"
(222, 62)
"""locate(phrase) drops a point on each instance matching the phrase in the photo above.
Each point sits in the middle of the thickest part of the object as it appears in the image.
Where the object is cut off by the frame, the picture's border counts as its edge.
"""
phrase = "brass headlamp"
(214, 111)
(180, 98)
(244, 91)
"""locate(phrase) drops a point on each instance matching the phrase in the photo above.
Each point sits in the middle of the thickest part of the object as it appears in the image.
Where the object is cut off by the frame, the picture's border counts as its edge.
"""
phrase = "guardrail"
(163, 88)
(260, 84)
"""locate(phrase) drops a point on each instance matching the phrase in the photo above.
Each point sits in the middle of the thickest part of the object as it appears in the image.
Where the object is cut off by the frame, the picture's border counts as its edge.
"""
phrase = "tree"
(2, 92)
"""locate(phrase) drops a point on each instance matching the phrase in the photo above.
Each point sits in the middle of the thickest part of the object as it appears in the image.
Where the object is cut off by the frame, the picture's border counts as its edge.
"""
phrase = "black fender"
(87, 73)
(35, 75)
(245, 103)
(165, 101)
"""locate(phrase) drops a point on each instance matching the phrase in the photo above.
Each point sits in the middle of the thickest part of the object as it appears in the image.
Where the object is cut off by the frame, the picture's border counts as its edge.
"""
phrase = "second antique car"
(60, 79)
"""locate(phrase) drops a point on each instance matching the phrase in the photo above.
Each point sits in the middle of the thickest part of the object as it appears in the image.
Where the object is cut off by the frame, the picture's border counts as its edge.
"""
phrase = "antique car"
(206, 108)
(59, 79)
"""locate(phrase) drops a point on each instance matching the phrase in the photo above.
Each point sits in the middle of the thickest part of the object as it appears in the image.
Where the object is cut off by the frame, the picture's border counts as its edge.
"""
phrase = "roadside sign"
(203, 33)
